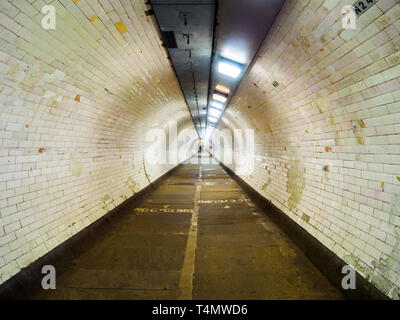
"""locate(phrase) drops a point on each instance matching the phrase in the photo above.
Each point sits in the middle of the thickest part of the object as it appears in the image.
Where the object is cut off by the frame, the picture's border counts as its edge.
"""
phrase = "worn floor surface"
(197, 236)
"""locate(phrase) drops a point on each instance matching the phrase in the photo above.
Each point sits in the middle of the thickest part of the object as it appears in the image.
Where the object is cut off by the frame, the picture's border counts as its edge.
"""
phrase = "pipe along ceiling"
(211, 45)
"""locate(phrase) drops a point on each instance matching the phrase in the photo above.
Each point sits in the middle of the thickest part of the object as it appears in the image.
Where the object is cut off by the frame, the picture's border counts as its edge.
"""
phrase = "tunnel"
(199, 149)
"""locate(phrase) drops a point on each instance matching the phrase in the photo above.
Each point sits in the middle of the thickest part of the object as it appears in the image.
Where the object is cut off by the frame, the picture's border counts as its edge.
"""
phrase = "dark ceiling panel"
(192, 24)
(243, 25)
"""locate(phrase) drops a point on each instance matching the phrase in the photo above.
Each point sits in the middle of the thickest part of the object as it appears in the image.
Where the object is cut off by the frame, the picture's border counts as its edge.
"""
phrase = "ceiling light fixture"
(214, 112)
(212, 119)
(234, 55)
(223, 89)
(229, 68)
(217, 105)
(220, 97)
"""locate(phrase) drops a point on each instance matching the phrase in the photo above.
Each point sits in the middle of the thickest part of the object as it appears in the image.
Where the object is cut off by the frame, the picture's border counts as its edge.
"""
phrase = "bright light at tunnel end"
(170, 146)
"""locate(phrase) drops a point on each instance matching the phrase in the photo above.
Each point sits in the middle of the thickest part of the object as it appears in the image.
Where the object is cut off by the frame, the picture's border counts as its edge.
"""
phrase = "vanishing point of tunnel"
(199, 149)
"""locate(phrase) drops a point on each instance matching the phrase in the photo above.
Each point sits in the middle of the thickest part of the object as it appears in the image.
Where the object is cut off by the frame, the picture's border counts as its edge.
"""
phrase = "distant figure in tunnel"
(210, 151)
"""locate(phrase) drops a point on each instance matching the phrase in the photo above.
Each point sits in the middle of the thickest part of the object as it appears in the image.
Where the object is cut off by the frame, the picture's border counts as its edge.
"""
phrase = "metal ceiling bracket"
(184, 16)
(187, 36)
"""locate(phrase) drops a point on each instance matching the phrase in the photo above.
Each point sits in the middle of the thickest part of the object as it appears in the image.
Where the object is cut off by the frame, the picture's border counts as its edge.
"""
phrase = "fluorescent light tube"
(217, 105)
(229, 68)
(222, 89)
(219, 97)
(214, 112)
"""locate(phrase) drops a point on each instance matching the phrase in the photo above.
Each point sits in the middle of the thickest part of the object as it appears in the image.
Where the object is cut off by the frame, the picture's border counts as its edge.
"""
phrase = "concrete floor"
(197, 236)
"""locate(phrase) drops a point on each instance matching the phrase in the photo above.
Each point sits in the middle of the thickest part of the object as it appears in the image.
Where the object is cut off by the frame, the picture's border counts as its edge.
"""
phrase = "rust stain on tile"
(270, 129)
(360, 140)
(295, 183)
(323, 108)
(41, 150)
(92, 18)
(106, 197)
(76, 164)
(265, 185)
(131, 185)
(325, 168)
(77, 98)
(328, 149)
(305, 217)
(358, 133)
(304, 41)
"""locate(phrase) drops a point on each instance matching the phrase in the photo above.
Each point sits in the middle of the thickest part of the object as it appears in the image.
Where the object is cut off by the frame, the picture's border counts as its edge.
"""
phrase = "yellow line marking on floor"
(187, 272)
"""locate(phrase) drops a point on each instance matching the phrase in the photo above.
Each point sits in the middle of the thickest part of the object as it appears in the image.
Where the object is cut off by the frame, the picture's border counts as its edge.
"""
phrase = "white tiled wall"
(328, 137)
(75, 105)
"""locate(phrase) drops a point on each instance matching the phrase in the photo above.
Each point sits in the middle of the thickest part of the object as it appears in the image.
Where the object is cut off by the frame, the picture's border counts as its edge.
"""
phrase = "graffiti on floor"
(244, 200)
(167, 209)
(162, 210)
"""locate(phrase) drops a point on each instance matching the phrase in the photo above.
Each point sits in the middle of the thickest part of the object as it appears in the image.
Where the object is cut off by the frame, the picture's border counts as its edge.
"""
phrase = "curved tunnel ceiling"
(187, 27)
